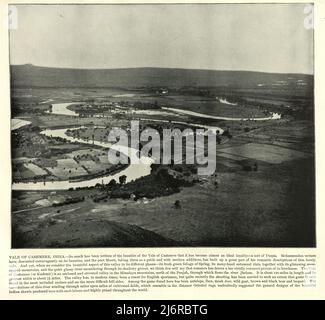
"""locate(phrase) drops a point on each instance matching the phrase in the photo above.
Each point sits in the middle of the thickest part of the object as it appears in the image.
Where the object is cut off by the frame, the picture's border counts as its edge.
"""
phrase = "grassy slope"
(89, 232)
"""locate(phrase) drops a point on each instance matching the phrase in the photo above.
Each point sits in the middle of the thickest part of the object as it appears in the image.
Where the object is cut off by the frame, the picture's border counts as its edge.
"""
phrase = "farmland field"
(265, 152)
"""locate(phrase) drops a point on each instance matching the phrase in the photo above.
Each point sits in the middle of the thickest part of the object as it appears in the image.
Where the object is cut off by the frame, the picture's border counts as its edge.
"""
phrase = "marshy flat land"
(66, 191)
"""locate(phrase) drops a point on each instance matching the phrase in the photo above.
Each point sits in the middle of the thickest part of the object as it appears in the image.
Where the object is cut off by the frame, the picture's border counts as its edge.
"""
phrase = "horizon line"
(179, 68)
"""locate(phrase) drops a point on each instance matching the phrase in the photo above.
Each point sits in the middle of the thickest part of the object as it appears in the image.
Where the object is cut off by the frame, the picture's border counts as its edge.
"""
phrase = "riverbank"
(18, 123)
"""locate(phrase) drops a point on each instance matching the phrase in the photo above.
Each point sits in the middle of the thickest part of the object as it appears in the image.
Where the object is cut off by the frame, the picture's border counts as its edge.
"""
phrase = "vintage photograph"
(162, 125)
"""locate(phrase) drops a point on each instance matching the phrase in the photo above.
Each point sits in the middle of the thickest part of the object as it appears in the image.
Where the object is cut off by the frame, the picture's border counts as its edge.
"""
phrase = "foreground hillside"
(89, 232)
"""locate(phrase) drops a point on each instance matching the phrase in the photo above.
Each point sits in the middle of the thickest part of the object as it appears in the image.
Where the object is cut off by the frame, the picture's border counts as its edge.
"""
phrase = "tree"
(112, 183)
(122, 179)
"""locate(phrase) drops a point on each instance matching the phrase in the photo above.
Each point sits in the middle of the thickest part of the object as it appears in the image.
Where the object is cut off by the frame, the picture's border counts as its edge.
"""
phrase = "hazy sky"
(226, 37)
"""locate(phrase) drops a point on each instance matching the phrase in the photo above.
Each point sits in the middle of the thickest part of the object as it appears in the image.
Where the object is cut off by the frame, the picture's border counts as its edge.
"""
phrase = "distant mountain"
(33, 76)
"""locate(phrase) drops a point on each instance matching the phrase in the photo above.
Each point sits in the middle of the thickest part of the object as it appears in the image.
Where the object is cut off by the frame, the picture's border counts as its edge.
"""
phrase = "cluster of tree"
(159, 183)
(226, 133)
(146, 105)
(100, 197)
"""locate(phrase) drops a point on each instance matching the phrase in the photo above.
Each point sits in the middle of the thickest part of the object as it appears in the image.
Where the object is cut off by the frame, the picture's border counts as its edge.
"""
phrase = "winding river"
(132, 172)
(273, 116)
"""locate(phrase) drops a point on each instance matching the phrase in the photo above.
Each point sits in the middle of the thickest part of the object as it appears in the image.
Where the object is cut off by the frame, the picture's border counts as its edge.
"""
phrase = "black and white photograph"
(162, 125)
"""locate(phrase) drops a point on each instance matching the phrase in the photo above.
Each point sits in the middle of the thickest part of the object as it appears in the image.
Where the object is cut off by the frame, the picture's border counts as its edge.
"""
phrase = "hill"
(33, 76)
